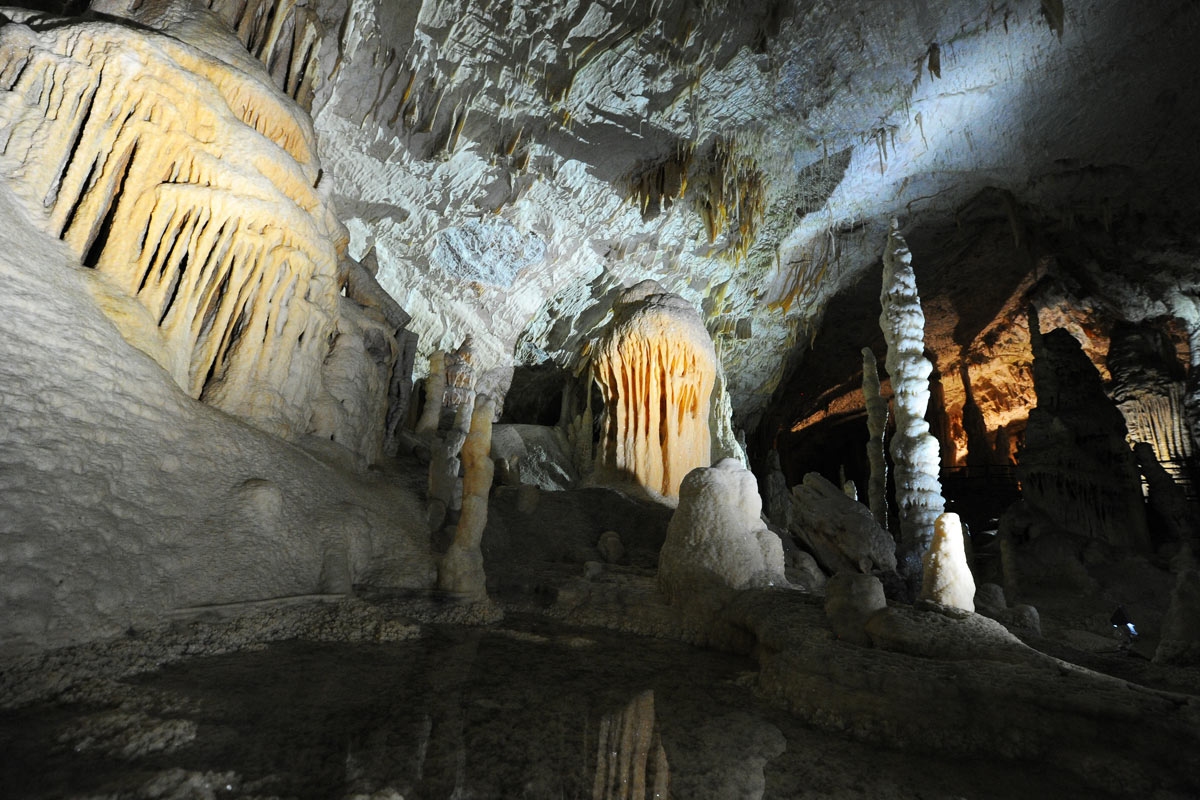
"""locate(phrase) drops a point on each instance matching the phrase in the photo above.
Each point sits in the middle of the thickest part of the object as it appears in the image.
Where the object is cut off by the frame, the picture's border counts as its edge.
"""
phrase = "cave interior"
(610, 398)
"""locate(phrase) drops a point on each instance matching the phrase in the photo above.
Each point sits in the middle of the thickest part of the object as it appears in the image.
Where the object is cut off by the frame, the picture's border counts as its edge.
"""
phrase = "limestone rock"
(947, 577)
(841, 532)
(534, 454)
(610, 546)
(939, 632)
(803, 572)
(206, 211)
(1180, 638)
(237, 515)
(778, 499)
(716, 539)
(850, 600)
(989, 599)
(1076, 468)
(461, 569)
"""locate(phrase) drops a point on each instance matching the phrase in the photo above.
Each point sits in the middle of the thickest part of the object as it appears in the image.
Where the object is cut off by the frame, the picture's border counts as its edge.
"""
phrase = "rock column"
(914, 451)
(462, 566)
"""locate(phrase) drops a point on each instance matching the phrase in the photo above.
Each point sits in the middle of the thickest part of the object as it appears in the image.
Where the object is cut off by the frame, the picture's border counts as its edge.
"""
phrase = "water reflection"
(535, 710)
(630, 761)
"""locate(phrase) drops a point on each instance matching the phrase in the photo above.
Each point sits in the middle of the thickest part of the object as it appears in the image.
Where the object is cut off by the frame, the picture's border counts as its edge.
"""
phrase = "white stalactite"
(914, 451)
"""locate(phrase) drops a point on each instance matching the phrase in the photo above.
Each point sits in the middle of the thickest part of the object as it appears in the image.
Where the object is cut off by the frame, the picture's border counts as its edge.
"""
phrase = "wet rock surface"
(513, 710)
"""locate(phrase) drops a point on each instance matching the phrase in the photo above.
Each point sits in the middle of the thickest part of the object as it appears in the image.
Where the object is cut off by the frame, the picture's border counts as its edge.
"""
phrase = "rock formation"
(877, 418)
(173, 167)
(851, 599)
(460, 376)
(778, 499)
(946, 577)
(655, 366)
(839, 530)
(716, 540)
(914, 450)
(1076, 467)
(1148, 388)
(461, 569)
(435, 390)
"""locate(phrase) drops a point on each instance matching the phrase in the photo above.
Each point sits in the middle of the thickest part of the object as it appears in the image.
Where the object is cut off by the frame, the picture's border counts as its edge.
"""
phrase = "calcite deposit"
(914, 451)
(655, 366)
(716, 540)
(946, 576)
(631, 253)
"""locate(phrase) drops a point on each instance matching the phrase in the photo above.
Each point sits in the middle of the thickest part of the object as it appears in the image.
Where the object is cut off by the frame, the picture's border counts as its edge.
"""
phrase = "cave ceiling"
(514, 164)
(511, 166)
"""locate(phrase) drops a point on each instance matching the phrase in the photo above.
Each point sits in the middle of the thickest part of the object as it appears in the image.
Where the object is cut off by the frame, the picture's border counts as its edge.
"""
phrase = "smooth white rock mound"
(716, 538)
(947, 579)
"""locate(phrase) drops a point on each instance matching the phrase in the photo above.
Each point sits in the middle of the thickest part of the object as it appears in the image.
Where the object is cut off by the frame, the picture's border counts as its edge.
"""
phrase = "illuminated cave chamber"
(527, 399)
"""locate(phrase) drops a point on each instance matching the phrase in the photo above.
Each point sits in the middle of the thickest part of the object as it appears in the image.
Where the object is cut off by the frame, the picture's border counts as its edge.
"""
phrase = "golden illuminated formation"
(655, 365)
(190, 186)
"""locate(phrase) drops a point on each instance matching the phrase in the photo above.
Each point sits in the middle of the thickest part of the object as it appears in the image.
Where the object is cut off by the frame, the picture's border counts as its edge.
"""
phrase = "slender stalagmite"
(914, 451)
(435, 388)
(877, 417)
(462, 567)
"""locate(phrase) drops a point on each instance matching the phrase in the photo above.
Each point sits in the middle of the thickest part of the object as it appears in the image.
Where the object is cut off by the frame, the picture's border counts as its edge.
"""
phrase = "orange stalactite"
(656, 367)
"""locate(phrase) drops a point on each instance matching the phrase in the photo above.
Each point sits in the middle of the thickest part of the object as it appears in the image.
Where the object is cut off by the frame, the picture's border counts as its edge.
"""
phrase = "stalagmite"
(778, 499)
(435, 389)
(716, 539)
(461, 569)
(655, 365)
(914, 450)
(445, 486)
(460, 375)
(947, 577)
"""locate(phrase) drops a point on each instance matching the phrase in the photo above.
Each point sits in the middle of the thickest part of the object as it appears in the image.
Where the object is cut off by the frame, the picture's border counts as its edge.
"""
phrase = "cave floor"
(515, 709)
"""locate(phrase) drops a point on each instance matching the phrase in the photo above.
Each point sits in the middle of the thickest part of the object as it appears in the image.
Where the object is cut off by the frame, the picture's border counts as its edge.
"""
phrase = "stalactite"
(460, 375)
(189, 186)
(285, 35)
(579, 427)
(461, 569)
(877, 417)
(445, 487)
(655, 365)
(914, 450)
(1149, 389)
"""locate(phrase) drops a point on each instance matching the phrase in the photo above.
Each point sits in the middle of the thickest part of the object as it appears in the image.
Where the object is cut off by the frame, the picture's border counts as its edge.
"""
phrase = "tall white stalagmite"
(914, 451)
(877, 417)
